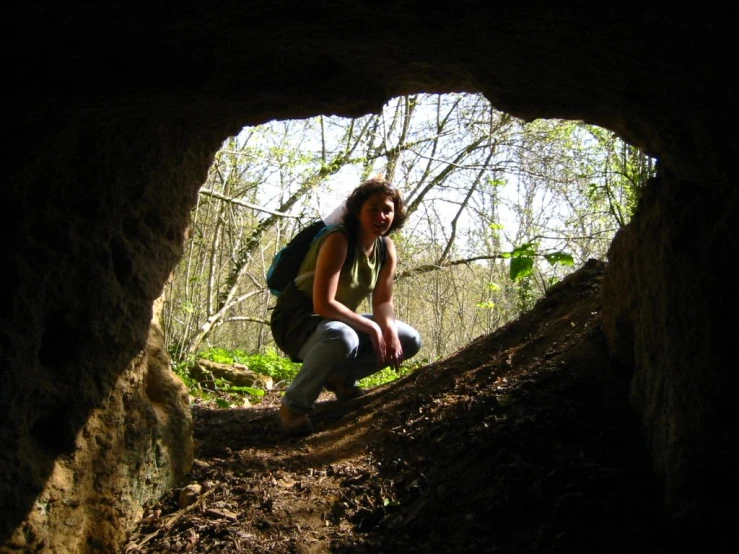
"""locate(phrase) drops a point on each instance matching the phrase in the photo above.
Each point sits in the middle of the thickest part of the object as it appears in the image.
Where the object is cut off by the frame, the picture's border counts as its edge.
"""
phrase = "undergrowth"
(221, 393)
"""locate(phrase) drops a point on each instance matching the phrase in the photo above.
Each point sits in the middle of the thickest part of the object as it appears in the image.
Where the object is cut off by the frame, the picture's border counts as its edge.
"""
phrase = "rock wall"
(669, 319)
(94, 424)
(134, 446)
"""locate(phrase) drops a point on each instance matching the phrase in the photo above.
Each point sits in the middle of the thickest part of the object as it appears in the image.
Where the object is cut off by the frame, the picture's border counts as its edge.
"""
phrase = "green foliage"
(383, 376)
(387, 375)
(221, 355)
(522, 260)
(271, 363)
(225, 386)
(222, 393)
(521, 267)
(195, 389)
(561, 258)
(274, 365)
(489, 304)
(227, 395)
(182, 370)
(526, 294)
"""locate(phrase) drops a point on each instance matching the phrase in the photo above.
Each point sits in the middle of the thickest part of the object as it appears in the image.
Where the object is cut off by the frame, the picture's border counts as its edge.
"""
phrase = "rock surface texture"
(113, 115)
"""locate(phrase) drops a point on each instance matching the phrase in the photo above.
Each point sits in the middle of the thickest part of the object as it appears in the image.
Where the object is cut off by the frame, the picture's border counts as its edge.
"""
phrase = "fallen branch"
(236, 374)
(171, 519)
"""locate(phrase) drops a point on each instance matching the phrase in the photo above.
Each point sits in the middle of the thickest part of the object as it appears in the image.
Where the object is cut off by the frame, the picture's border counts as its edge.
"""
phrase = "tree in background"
(500, 209)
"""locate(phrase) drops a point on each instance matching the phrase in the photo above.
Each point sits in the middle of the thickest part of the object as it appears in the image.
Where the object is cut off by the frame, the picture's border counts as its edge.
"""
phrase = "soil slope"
(521, 442)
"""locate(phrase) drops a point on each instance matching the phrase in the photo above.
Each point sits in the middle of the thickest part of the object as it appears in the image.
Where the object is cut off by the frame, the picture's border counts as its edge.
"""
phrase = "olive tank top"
(356, 281)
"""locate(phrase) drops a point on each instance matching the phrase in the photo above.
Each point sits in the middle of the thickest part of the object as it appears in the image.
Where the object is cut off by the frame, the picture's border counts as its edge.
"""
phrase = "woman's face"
(377, 213)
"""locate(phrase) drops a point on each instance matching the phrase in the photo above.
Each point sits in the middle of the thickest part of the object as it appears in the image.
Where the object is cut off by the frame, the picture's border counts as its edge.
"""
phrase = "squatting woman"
(316, 320)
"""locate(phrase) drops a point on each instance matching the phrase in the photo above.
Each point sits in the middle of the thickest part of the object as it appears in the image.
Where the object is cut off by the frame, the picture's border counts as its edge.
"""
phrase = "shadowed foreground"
(522, 442)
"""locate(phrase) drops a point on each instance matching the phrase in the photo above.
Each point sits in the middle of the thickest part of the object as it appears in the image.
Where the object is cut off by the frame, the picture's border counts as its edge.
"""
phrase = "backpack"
(286, 263)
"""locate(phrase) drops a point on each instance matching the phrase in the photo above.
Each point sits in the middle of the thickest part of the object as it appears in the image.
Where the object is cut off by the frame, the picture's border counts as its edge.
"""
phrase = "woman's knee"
(341, 336)
(411, 341)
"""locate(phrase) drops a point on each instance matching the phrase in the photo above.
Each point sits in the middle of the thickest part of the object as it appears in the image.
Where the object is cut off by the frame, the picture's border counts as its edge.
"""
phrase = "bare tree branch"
(247, 319)
(249, 205)
(428, 268)
(444, 173)
(463, 206)
(214, 320)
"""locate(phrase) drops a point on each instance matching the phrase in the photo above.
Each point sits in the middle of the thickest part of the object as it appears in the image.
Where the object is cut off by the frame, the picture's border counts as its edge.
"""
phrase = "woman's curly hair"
(362, 193)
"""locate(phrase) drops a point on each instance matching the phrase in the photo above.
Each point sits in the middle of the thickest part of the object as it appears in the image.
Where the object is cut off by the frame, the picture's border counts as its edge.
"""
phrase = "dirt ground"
(521, 442)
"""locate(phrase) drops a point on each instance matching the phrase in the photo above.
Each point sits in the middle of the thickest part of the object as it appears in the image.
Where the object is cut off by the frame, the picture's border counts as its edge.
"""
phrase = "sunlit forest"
(500, 209)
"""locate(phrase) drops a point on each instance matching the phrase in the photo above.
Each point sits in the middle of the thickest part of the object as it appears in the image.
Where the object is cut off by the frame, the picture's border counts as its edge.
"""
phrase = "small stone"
(189, 495)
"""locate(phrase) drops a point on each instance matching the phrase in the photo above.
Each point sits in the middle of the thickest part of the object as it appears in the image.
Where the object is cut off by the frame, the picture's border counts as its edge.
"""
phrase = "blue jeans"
(335, 347)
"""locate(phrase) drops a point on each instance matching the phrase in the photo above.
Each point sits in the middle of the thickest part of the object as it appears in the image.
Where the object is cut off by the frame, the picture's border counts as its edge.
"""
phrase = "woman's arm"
(331, 259)
(383, 309)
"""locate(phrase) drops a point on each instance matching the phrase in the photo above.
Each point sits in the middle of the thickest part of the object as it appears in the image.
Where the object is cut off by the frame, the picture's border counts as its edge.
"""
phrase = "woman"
(315, 320)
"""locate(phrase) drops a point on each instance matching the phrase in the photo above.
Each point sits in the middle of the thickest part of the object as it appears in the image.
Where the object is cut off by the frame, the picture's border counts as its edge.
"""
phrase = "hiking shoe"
(342, 390)
(294, 423)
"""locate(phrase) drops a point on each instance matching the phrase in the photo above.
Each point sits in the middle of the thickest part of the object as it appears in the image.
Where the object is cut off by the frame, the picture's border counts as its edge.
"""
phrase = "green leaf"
(521, 267)
(259, 393)
(562, 258)
(223, 403)
(486, 305)
(527, 249)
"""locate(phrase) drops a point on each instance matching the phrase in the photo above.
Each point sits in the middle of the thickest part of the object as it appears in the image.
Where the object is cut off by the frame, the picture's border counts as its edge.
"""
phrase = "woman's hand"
(378, 344)
(393, 348)
(382, 309)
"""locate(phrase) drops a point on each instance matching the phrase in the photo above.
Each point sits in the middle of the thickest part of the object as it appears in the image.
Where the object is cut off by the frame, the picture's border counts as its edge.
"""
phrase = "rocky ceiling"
(113, 114)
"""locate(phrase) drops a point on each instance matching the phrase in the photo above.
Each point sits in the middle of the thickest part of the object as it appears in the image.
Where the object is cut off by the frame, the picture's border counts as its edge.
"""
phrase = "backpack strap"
(383, 250)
